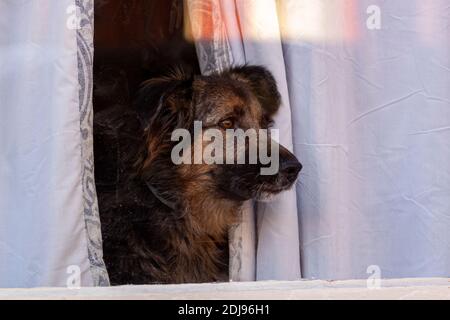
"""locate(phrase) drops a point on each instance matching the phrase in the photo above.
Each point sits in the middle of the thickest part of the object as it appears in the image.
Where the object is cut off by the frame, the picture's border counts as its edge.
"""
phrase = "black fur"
(163, 223)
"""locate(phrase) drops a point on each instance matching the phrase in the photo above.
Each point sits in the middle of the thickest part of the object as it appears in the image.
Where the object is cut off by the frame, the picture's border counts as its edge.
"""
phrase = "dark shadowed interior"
(135, 40)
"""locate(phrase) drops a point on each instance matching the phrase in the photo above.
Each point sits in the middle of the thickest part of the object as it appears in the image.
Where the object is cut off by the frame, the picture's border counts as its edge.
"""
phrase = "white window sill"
(418, 288)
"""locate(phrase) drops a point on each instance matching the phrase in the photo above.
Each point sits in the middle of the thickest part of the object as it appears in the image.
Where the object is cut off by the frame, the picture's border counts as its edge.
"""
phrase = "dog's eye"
(227, 123)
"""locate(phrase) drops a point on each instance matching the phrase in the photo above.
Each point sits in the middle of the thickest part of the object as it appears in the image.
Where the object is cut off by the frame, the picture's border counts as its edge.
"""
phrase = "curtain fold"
(49, 225)
(366, 108)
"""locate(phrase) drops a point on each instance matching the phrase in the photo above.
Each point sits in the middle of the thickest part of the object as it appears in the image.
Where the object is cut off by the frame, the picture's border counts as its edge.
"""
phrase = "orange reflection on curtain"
(352, 23)
(264, 20)
(331, 20)
(199, 24)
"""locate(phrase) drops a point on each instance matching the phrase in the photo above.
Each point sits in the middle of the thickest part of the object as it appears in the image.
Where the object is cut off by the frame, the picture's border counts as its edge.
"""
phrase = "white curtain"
(366, 107)
(49, 226)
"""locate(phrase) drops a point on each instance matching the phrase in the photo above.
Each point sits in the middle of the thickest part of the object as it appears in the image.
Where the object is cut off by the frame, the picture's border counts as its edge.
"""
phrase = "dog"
(168, 223)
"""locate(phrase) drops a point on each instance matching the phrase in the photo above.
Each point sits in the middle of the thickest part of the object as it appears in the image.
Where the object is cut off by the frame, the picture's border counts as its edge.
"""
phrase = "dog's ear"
(163, 105)
(263, 85)
(165, 100)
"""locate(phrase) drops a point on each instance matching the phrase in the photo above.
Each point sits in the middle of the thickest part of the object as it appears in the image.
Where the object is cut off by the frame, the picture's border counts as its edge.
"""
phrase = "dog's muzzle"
(290, 167)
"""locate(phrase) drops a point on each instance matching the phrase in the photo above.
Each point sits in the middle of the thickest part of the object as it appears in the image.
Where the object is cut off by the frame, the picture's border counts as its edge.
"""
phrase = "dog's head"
(242, 100)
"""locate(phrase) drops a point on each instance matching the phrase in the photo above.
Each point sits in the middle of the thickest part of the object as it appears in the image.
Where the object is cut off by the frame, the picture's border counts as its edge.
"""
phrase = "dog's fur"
(167, 223)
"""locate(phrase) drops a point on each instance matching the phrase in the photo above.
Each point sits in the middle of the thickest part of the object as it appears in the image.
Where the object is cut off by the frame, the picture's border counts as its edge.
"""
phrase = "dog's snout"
(290, 168)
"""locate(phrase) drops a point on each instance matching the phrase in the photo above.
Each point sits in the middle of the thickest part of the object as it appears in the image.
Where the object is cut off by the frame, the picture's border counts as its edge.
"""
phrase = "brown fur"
(168, 223)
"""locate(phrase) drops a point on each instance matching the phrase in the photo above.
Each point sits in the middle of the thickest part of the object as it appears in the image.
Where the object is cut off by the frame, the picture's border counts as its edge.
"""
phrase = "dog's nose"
(290, 168)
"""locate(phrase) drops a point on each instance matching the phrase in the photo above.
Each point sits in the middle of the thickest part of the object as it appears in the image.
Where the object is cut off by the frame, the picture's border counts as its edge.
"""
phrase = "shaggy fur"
(167, 223)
